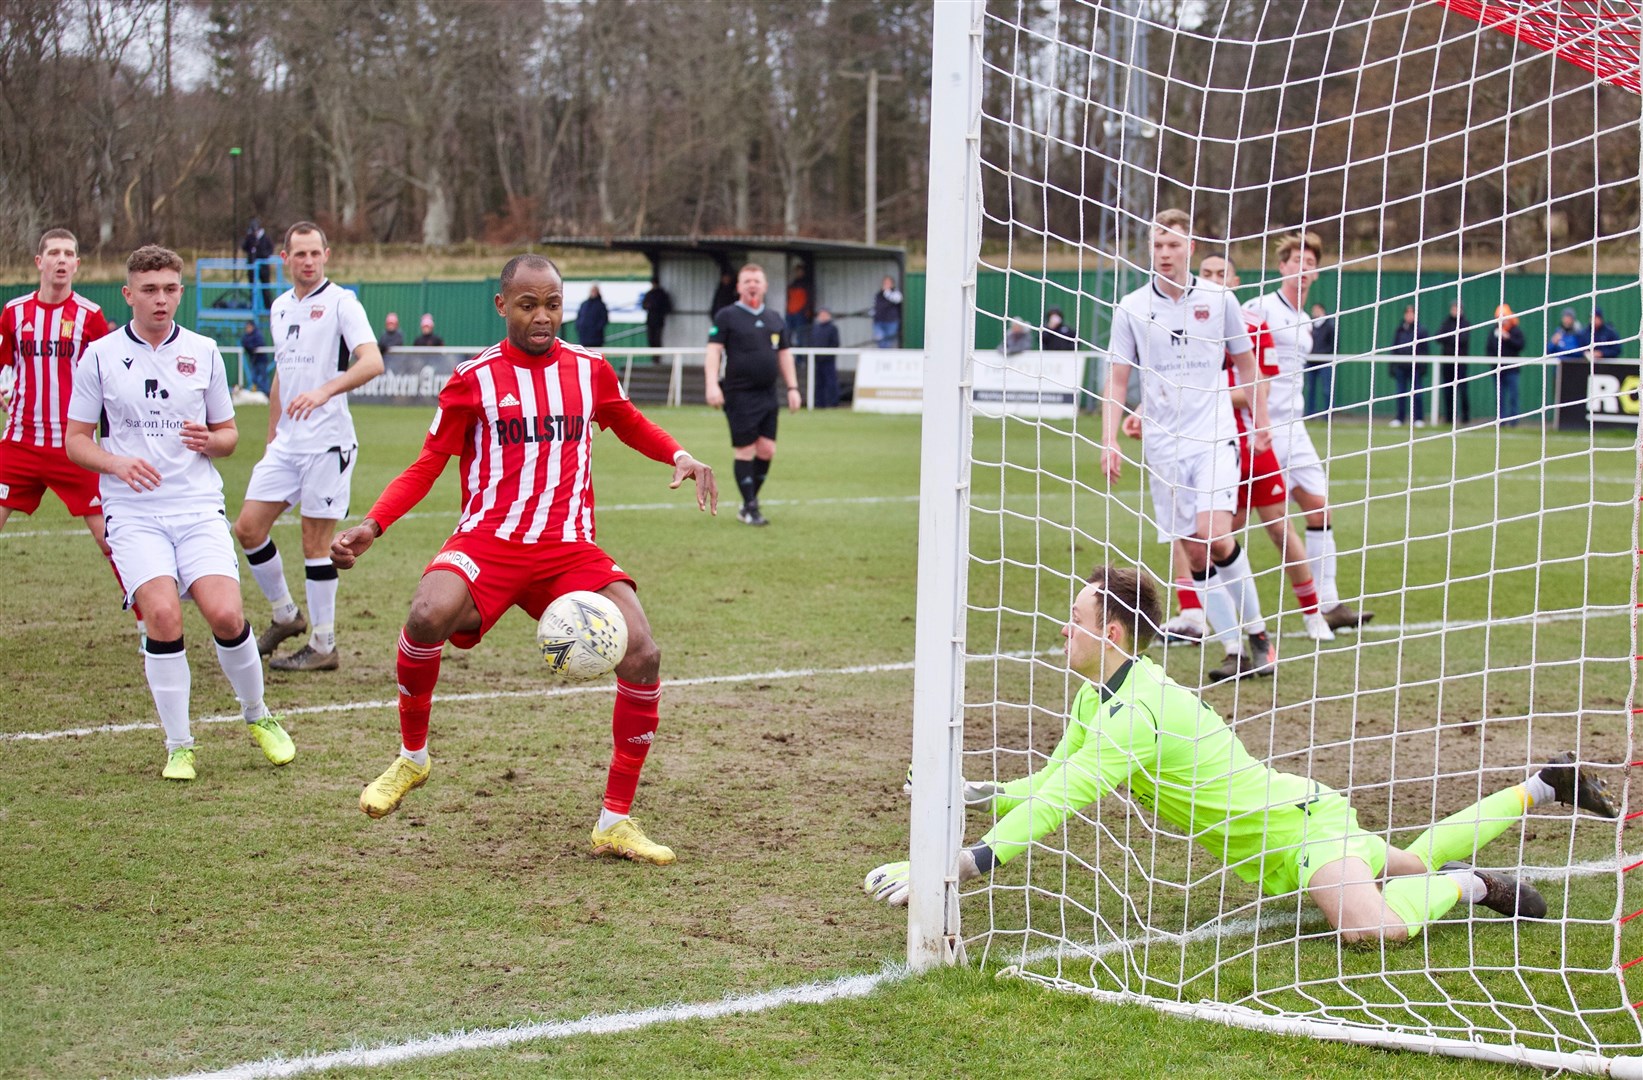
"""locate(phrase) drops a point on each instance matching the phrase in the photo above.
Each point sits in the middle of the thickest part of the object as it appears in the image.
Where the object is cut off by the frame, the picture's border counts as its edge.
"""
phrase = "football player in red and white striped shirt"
(519, 417)
(42, 337)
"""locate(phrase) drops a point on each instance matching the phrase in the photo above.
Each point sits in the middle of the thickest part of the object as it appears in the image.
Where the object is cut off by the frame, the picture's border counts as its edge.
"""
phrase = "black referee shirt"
(751, 341)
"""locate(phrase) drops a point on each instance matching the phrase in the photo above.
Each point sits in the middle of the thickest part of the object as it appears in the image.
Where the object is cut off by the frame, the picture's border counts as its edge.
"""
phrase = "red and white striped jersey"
(523, 426)
(44, 343)
(1264, 363)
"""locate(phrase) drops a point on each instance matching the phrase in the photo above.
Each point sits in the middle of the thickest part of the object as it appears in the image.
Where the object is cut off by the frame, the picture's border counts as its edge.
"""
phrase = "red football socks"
(1186, 595)
(418, 671)
(632, 726)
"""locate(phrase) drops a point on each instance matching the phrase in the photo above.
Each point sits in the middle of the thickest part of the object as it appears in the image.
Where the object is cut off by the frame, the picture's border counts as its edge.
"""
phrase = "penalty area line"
(715, 680)
(288, 518)
(456, 1042)
(816, 993)
(484, 695)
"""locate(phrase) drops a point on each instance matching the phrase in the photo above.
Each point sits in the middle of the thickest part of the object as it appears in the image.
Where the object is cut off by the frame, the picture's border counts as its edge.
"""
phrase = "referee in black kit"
(751, 342)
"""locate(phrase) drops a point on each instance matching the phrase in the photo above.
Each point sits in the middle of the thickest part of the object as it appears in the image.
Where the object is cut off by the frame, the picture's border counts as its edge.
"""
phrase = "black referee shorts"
(752, 415)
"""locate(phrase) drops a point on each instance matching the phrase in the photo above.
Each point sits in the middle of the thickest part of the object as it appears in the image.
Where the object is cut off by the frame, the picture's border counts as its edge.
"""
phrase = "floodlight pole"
(234, 226)
(872, 76)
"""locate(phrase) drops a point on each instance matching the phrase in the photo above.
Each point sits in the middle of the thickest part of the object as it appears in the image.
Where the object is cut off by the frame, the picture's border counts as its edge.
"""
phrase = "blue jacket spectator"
(824, 334)
(1410, 338)
(1569, 339)
(1409, 341)
(1605, 340)
(591, 319)
(887, 315)
(259, 366)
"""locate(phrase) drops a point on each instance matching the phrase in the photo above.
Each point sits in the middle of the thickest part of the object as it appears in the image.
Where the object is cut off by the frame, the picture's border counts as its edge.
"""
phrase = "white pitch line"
(677, 504)
(358, 1057)
(846, 987)
(486, 695)
(712, 680)
(1127, 498)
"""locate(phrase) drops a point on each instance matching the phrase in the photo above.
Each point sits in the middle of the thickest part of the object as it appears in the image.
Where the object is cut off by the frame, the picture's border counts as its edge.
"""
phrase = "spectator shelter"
(844, 276)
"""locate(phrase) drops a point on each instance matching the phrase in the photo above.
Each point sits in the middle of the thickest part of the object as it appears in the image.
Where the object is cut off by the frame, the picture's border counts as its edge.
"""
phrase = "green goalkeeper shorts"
(1312, 836)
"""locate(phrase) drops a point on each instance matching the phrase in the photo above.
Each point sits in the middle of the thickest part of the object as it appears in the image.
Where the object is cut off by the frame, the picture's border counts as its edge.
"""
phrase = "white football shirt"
(1180, 346)
(313, 339)
(141, 395)
(1291, 342)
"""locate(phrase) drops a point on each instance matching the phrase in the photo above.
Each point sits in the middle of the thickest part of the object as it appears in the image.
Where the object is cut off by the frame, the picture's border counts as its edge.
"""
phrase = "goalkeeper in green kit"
(1131, 724)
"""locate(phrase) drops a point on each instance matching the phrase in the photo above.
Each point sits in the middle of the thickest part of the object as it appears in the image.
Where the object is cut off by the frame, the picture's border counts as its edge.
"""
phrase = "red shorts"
(1263, 477)
(501, 574)
(27, 471)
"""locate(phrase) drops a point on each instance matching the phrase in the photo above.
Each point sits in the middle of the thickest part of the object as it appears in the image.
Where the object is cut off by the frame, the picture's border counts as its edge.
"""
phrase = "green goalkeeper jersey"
(1179, 759)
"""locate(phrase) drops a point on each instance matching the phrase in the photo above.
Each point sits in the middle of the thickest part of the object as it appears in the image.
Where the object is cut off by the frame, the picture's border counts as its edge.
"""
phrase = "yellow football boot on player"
(179, 764)
(382, 796)
(276, 744)
(627, 840)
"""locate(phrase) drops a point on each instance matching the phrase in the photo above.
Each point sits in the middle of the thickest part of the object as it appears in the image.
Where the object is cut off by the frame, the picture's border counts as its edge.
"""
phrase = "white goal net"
(1464, 366)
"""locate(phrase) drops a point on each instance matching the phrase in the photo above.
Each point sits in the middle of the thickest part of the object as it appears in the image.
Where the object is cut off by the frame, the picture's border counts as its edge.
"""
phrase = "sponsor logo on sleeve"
(464, 565)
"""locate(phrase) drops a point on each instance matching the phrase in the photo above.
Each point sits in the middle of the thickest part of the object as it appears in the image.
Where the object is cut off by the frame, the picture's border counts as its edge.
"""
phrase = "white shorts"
(1303, 468)
(320, 483)
(184, 548)
(1200, 481)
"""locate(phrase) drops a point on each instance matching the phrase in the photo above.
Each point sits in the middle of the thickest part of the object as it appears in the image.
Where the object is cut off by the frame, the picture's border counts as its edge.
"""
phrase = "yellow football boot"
(627, 840)
(382, 796)
(179, 764)
(276, 744)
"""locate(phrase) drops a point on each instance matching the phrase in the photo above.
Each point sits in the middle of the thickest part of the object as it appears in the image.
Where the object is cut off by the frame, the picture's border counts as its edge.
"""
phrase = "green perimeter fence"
(1372, 304)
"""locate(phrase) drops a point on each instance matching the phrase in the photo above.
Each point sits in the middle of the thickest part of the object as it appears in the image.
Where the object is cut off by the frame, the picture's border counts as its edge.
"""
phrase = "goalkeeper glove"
(888, 883)
(976, 792)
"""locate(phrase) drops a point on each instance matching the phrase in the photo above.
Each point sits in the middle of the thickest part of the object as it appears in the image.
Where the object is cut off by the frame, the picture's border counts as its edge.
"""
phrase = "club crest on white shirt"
(185, 365)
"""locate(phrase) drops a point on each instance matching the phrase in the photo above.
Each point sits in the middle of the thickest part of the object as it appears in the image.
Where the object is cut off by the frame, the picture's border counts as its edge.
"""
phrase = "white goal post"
(1477, 161)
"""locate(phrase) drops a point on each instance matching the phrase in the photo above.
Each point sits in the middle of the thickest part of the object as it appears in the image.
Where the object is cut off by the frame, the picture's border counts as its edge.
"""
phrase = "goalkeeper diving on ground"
(1131, 724)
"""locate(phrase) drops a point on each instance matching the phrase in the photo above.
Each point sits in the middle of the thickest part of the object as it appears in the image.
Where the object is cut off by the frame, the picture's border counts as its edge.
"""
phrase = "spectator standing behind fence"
(824, 334)
(391, 337)
(1455, 341)
(1319, 376)
(1569, 340)
(1058, 335)
(1409, 339)
(801, 302)
(259, 366)
(658, 306)
(1017, 339)
(887, 315)
(1505, 344)
(591, 319)
(1605, 340)
(257, 245)
(428, 339)
(725, 294)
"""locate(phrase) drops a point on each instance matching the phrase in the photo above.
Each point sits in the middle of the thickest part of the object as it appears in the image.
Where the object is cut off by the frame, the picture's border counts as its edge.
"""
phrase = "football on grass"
(583, 636)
